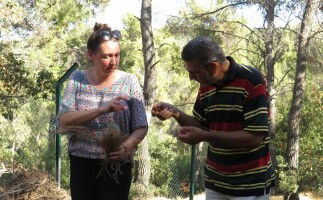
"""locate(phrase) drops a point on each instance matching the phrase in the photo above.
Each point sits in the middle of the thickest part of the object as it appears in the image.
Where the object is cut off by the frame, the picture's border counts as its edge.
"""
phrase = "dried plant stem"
(78, 131)
(110, 141)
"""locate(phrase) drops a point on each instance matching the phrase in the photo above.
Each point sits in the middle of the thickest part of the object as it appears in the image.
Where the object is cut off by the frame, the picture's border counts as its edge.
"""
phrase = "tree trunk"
(299, 86)
(293, 196)
(270, 62)
(149, 92)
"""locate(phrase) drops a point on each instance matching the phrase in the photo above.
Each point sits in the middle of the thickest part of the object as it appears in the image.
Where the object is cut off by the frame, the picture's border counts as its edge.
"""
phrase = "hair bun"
(99, 26)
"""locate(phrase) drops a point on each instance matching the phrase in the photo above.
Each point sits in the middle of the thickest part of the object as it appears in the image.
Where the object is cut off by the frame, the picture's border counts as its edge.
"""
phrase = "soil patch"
(31, 185)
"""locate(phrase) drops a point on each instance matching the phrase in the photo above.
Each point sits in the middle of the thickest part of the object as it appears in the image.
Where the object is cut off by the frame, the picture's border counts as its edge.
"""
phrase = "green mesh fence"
(170, 167)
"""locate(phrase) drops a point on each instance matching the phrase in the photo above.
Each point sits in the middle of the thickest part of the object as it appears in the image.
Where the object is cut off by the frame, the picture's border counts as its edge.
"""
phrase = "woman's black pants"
(90, 181)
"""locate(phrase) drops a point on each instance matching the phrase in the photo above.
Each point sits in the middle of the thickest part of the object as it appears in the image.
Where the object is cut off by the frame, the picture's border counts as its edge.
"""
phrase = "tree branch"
(244, 25)
(314, 34)
(219, 9)
(155, 64)
(254, 52)
(282, 79)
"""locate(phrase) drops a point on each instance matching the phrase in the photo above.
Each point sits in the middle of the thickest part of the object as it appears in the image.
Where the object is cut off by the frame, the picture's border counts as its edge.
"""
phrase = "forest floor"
(302, 196)
(39, 185)
(32, 184)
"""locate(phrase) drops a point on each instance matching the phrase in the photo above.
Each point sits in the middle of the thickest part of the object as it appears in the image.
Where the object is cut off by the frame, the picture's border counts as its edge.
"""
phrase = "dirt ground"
(303, 196)
(30, 185)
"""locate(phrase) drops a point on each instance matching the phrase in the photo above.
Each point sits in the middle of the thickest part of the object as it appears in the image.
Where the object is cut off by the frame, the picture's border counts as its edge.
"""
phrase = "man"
(231, 114)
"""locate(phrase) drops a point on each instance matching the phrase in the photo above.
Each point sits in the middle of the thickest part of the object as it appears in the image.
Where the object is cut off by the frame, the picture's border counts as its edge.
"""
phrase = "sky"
(161, 10)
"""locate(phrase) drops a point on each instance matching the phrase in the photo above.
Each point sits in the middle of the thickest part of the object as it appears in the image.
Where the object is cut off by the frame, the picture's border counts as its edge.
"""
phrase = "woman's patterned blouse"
(81, 95)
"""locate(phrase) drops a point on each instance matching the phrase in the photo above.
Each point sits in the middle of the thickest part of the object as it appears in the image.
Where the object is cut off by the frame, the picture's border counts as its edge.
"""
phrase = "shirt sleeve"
(137, 106)
(198, 111)
(256, 109)
(69, 98)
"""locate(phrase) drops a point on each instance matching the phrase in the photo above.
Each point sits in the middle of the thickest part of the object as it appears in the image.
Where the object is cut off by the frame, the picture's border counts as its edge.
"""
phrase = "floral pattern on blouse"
(80, 95)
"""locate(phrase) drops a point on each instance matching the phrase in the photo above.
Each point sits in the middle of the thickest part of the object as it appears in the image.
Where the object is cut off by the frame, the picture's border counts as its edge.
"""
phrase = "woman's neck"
(98, 79)
(101, 78)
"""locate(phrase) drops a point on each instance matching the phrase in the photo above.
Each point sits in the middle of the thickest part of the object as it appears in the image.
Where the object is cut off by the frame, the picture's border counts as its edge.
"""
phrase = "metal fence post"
(192, 184)
(58, 136)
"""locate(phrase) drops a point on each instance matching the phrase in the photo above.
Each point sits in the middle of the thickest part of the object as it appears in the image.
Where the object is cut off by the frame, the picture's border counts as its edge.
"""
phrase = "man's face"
(201, 74)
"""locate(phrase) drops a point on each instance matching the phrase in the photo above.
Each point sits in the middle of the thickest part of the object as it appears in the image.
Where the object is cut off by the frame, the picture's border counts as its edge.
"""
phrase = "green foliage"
(131, 45)
(288, 179)
(191, 24)
(11, 14)
(170, 164)
(49, 159)
(163, 153)
(22, 140)
(310, 157)
(40, 39)
(224, 27)
(13, 74)
(311, 139)
(179, 184)
(18, 84)
(45, 84)
(15, 83)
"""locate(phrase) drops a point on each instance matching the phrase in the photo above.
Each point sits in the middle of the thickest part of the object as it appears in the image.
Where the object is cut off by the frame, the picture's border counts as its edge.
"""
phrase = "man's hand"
(191, 135)
(164, 111)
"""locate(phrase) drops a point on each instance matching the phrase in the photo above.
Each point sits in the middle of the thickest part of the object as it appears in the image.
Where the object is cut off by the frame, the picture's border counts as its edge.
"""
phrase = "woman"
(98, 98)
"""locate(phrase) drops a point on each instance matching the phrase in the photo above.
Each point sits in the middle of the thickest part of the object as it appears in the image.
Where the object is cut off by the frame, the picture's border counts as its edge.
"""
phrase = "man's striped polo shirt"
(239, 102)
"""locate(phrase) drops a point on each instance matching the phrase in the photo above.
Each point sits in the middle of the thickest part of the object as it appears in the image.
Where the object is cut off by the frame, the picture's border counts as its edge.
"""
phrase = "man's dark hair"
(202, 50)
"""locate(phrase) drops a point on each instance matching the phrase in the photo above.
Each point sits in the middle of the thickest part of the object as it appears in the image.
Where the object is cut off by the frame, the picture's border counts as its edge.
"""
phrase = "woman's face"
(107, 57)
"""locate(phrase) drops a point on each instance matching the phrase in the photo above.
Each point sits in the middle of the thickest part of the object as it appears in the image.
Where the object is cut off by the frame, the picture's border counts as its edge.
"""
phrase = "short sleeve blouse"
(81, 95)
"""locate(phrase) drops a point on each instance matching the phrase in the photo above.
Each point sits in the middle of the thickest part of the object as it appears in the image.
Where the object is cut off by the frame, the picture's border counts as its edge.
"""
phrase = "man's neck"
(222, 72)
(225, 66)
(223, 69)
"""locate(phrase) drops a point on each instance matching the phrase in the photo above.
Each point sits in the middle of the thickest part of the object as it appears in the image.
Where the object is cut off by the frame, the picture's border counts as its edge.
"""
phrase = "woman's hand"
(114, 105)
(119, 154)
(123, 150)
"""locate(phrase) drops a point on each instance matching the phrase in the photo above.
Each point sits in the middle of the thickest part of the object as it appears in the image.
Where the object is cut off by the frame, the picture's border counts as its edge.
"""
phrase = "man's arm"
(232, 139)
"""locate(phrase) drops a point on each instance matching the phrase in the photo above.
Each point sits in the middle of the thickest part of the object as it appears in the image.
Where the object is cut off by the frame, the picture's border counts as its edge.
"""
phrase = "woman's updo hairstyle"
(95, 38)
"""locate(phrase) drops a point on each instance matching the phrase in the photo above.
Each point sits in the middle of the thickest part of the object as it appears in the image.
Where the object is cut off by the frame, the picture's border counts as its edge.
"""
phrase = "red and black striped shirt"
(239, 102)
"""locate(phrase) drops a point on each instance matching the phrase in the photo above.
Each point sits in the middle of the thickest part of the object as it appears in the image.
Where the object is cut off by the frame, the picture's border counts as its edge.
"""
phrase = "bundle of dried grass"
(110, 140)
(81, 132)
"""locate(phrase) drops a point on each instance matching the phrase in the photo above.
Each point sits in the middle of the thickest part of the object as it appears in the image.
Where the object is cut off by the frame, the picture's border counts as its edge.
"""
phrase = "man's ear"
(90, 54)
(214, 67)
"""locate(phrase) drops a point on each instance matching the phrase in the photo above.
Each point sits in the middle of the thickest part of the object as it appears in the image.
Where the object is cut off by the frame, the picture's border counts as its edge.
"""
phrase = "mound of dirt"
(31, 185)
